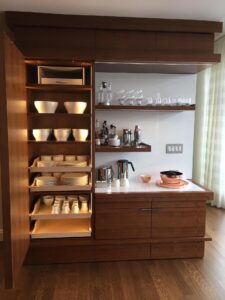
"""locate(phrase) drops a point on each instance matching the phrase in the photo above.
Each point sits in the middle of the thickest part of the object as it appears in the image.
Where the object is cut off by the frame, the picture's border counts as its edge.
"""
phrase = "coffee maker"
(123, 168)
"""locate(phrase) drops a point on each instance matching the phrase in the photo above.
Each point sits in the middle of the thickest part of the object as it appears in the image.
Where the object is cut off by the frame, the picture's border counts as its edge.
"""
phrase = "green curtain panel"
(209, 141)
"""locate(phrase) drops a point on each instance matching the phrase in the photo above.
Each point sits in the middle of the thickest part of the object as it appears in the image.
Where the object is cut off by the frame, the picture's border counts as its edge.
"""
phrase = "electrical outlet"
(174, 148)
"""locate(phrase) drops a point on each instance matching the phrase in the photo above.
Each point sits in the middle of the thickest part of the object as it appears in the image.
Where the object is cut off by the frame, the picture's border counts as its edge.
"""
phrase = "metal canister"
(127, 137)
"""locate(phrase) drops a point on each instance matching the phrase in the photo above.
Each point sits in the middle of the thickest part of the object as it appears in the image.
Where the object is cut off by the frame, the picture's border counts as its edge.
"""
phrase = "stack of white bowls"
(62, 134)
(46, 107)
(80, 135)
(75, 107)
(41, 135)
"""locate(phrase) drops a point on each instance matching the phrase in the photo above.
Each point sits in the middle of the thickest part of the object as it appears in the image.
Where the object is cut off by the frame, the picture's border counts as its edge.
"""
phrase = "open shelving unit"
(44, 224)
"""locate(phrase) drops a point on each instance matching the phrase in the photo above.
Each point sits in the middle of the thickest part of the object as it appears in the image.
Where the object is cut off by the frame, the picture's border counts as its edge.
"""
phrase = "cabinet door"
(178, 218)
(60, 43)
(124, 45)
(13, 157)
(122, 219)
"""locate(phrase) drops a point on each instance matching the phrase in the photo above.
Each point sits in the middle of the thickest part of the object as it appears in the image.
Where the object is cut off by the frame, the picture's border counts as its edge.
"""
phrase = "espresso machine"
(123, 170)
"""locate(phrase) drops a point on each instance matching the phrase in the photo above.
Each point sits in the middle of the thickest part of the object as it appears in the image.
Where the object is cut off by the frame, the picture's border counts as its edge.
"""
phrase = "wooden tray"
(43, 212)
(61, 228)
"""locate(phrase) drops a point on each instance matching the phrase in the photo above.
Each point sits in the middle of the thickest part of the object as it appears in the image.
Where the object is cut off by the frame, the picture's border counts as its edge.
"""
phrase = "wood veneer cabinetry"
(186, 45)
(172, 225)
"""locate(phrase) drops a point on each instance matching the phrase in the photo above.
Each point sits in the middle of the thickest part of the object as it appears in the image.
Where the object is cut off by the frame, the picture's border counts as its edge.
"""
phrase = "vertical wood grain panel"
(14, 158)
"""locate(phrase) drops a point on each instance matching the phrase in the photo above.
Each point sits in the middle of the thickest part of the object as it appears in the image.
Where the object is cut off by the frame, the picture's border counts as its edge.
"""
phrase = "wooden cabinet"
(125, 45)
(177, 218)
(13, 157)
(60, 43)
(172, 225)
(123, 219)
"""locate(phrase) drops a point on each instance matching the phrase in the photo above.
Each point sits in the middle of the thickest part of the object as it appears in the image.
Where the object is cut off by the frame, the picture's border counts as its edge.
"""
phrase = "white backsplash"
(158, 128)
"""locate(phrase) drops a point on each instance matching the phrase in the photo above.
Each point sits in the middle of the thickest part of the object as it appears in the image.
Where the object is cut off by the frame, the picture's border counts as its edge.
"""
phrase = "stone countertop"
(139, 187)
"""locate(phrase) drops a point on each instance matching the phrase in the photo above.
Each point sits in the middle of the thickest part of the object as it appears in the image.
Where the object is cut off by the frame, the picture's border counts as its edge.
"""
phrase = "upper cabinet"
(125, 45)
(136, 44)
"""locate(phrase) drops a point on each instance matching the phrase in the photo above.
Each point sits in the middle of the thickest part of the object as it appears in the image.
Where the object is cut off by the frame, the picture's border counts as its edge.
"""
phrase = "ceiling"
(171, 9)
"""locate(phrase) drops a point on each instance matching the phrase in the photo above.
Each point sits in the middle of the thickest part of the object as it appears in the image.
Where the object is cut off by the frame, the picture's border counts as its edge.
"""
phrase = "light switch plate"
(174, 148)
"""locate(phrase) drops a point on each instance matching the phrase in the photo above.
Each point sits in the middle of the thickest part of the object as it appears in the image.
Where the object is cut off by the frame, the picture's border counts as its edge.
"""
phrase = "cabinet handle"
(145, 209)
(150, 209)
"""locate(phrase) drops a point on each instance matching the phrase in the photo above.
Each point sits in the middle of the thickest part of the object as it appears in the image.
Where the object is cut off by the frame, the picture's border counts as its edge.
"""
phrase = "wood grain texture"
(13, 144)
(174, 279)
(14, 19)
(122, 220)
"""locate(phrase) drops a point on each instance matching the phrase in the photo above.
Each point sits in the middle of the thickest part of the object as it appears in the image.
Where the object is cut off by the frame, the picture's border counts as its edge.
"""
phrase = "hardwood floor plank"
(175, 279)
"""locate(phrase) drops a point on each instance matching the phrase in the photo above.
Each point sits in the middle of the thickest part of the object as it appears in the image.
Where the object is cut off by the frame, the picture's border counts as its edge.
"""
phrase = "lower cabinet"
(122, 219)
(177, 218)
(172, 226)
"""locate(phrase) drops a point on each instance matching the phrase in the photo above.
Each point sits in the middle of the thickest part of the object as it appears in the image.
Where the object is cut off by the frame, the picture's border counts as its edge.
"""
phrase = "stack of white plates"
(45, 181)
(74, 179)
(74, 163)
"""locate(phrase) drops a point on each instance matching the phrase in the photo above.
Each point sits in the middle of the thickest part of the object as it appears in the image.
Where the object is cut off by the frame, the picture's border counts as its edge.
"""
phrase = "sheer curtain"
(209, 142)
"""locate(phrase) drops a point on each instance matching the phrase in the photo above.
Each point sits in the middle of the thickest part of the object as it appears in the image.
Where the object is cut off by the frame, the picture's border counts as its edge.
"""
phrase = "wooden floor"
(192, 279)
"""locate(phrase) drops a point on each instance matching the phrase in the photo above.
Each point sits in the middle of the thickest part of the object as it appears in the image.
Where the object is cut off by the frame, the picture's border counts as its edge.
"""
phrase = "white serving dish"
(45, 181)
(114, 142)
(74, 179)
(80, 135)
(62, 134)
(75, 107)
(41, 135)
(46, 107)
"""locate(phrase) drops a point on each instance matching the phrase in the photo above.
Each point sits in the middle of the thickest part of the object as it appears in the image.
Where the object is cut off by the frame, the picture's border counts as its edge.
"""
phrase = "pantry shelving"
(44, 224)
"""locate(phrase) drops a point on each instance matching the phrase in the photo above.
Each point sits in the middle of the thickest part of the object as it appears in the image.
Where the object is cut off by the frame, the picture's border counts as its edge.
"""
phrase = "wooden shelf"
(61, 228)
(59, 88)
(43, 212)
(147, 107)
(58, 169)
(56, 142)
(142, 148)
(60, 188)
(57, 115)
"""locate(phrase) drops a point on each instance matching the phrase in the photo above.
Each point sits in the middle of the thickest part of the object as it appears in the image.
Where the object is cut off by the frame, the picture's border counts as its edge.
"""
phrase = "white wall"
(158, 128)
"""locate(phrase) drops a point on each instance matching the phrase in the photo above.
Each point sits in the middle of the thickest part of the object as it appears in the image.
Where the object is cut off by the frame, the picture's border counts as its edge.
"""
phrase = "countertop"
(139, 187)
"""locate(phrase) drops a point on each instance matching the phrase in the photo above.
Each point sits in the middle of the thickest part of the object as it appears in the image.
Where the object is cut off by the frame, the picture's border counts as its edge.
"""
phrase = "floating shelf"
(61, 228)
(59, 88)
(60, 188)
(142, 148)
(147, 107)
(43, 212)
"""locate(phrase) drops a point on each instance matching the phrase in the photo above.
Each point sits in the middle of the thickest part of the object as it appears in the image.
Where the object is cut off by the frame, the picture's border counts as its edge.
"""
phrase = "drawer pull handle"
(150, 209)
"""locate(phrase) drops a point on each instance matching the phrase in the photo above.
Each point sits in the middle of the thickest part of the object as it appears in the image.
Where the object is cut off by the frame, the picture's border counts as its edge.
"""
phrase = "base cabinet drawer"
(177, 250)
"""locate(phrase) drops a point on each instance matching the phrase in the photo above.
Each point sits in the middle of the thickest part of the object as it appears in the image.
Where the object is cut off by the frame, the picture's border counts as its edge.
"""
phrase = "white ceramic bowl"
(75, 107)
(62, 134)
(80, 135)
(41, 135)
(46, 107)
(114, 142)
